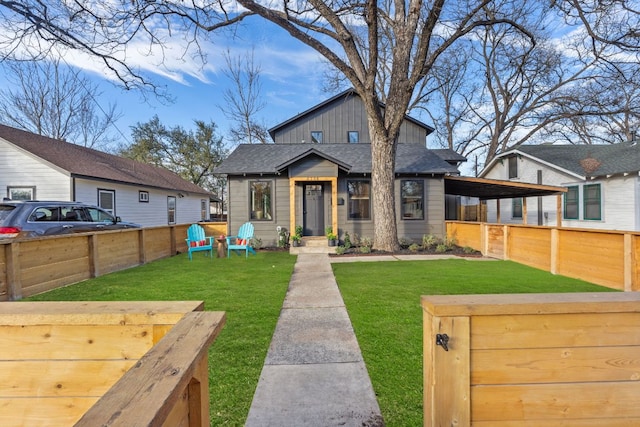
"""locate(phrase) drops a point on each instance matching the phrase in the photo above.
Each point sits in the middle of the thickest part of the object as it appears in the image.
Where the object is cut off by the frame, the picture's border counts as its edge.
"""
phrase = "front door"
(313, 210)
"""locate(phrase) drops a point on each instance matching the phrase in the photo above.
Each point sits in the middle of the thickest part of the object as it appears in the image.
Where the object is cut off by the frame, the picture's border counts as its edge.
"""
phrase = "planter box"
(532, 359)
(105, 363)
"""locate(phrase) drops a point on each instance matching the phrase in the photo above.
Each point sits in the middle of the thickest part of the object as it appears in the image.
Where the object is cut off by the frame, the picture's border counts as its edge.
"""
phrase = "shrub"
(347, 240)
(366, 242)
(414, 247)
(442, 248)
(365, 249)
(255, 243)
(429, 240)
(340, 250)
(405, 242)
(468, 250)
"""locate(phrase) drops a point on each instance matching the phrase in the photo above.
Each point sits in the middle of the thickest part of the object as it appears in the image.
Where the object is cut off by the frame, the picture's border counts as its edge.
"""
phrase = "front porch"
(313, 245)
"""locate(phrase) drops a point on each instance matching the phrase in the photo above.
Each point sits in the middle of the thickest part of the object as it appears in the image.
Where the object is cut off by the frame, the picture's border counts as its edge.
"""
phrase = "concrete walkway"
(314, 374)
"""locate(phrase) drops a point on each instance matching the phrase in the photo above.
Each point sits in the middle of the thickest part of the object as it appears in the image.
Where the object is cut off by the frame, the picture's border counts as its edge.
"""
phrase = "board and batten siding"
(336, 119)
(148, 214)
(21, 169)
(238, 209)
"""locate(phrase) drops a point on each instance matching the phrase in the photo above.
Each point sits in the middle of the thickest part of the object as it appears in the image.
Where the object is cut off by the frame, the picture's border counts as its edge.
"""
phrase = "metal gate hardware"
(443, 340)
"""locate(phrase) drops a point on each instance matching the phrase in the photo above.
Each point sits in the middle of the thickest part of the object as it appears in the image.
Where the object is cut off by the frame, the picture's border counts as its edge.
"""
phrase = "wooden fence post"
(14, 282)
(554, 251)
(628, 263)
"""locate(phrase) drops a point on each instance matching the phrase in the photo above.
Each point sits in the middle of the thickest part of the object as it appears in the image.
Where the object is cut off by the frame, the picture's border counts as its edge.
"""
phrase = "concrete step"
(313, 245)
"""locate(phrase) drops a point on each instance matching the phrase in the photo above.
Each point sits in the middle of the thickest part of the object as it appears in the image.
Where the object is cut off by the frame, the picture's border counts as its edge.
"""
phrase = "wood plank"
(581, 364)
(95, 312)
(64, 342)
(543, 402)
(159, 378)
(55, 378)
(43, 411)
(448, 387)
(502, 304)
(600, 422)
(555, 330)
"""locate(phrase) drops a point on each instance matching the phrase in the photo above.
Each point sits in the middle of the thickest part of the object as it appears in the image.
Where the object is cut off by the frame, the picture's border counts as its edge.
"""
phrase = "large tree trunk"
(383, 154)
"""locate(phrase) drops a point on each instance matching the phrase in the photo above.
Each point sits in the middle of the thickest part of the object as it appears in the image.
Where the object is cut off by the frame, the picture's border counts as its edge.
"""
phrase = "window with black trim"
(171, 209)
(513, 167)
(516, 207)
(316, 136)
(412, 199)
(143, 196)
(353, 136)
(571, 202)
(21, 193)
(359, 199)
(592, 202)
(260, 196)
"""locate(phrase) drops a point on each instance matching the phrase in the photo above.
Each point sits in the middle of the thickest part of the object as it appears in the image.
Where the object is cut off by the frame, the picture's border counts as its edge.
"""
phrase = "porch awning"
(488, 189)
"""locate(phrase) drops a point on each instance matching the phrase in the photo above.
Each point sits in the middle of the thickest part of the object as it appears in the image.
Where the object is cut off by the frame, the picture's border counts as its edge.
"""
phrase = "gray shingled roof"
(88, 163)
(449, 155)
(588, 160)
(354, 158)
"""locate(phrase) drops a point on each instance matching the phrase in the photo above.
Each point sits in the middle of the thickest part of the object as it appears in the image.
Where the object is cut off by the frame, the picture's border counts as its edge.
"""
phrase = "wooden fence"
(607, 258)
(532, 360)
(106, 363)
(32, 266)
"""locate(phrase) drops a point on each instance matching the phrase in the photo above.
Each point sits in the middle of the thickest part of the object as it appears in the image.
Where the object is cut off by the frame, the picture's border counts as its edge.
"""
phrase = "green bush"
(340, 250)
(429, 240)
(442, 248)
(414, 247)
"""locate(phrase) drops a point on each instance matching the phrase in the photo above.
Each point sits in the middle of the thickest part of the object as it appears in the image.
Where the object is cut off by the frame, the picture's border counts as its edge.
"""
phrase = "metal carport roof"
(488, 189)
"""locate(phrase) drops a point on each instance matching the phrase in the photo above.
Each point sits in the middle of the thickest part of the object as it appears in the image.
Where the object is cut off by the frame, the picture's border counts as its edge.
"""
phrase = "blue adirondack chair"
(197, 241)
(241, 241)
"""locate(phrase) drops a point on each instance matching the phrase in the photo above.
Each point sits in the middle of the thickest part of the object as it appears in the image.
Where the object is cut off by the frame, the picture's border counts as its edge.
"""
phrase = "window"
(171, 209)
(316, 136)
(516, 207)
(571, 200)
(513, 167)
(359, 199)
(412, 199)
(107, 200)
(143, 196)
(260, 199)
(21, 193)
(204, 209)
(592, 202)
(353, 137)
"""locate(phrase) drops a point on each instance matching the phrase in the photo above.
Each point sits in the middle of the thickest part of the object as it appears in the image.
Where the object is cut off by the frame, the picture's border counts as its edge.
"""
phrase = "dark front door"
(313, 210)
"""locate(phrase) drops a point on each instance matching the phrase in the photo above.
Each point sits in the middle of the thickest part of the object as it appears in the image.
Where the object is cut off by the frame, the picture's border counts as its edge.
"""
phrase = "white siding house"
(602, 180)
(40, 168)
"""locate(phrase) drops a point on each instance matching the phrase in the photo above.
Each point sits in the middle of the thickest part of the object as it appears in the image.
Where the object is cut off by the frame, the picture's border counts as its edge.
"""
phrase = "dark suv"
(38, 218)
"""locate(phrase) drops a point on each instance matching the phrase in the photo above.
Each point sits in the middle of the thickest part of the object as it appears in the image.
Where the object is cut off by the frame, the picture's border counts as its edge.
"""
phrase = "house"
(36, 167)
(602, 185)
(317, 174)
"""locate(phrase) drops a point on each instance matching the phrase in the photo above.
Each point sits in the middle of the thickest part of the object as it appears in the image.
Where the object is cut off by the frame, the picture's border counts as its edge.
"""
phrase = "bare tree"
(50, 99)
(352, 36)
(244, 99)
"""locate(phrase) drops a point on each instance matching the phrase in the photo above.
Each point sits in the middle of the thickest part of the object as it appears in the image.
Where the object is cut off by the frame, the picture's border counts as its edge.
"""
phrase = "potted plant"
(295, 240)
(331, 236)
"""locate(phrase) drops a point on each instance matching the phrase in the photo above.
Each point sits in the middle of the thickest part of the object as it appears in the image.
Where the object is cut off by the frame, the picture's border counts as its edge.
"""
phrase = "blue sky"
(291, 81)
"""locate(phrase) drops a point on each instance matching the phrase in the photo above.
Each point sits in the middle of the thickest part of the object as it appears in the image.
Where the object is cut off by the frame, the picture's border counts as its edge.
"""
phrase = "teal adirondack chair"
(197, 241)
(241, 241)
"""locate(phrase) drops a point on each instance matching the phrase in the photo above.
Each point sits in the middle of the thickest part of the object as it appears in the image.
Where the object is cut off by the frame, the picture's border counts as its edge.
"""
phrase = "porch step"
(313, 245)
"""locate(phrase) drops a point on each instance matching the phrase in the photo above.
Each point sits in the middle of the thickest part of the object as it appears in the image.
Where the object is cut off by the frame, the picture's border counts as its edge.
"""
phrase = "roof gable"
(583, 161)
(85, 162)
(331, 101)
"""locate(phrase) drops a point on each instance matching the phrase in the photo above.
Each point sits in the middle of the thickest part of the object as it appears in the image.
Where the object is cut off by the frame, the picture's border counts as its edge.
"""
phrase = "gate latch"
(443, 340)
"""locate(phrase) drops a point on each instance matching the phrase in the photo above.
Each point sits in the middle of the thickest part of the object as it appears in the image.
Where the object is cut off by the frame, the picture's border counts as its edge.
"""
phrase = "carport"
(493, 189)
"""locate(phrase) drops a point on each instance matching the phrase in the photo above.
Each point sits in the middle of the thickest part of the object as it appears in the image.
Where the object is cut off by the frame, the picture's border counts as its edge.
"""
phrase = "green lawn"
(383, 300)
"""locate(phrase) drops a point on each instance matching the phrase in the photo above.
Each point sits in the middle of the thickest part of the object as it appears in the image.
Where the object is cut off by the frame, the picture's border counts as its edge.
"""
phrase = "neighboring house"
(317, 174)
(602, 181)
(34, 167)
